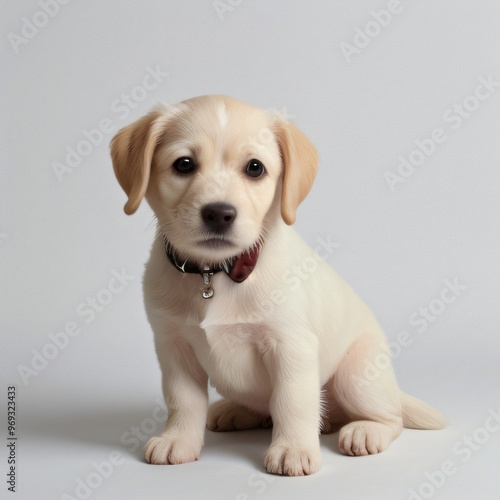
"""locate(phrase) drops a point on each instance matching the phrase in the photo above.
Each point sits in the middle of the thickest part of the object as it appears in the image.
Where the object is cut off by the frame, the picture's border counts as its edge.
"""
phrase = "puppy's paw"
(227, 415)
(364, 438)
(169, 449)
(293, 461)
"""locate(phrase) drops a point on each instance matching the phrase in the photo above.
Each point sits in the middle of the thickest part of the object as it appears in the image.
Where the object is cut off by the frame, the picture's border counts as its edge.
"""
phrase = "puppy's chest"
(236, 303)
(235, 338)
(234, 358)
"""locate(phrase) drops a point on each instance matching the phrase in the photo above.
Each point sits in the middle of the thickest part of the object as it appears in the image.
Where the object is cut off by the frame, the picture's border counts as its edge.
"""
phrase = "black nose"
(218, 217)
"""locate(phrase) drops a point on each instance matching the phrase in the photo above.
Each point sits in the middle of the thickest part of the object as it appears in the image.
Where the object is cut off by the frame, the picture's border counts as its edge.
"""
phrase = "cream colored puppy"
(224, 180)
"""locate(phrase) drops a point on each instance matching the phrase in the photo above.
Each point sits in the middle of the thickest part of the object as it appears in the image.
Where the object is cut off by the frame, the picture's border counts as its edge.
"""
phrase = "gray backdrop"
(402, 100)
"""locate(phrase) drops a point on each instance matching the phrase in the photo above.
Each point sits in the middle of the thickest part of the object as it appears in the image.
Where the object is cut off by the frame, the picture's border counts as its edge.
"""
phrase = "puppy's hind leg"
(371, 400)
(226, 415)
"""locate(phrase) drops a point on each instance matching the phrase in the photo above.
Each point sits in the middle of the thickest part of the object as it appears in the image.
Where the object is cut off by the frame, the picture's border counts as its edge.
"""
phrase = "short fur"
(283, 351)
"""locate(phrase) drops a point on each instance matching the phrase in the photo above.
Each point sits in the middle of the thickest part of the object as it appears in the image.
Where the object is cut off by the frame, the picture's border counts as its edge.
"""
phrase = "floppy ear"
(132, 151)
(300, 163)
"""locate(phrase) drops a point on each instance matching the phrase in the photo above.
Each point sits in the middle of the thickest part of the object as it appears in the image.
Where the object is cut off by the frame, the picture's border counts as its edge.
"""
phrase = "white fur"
(274, 343)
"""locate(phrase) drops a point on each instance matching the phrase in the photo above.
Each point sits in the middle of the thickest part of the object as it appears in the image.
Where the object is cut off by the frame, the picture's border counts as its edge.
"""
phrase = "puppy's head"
(215, 171)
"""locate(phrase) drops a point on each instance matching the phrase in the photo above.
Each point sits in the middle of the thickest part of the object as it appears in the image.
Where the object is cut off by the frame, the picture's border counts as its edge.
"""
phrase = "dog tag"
(208, 292)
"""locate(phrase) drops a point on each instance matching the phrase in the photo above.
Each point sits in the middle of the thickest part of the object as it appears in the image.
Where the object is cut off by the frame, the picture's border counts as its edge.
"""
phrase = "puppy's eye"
(255, 168)
(184, 165)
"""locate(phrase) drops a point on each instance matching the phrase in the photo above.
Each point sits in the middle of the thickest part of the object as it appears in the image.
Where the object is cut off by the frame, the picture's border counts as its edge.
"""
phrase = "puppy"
(224, 180)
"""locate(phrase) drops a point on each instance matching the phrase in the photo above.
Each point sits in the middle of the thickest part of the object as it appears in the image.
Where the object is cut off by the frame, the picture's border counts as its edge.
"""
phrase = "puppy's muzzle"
(218, 217)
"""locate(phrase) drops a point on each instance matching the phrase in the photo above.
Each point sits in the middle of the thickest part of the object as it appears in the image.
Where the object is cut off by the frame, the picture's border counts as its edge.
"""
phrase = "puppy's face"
(216, 172)
(214, 178)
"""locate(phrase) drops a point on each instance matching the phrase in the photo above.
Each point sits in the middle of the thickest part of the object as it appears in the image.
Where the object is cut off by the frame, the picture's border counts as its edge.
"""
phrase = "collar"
(238, 268)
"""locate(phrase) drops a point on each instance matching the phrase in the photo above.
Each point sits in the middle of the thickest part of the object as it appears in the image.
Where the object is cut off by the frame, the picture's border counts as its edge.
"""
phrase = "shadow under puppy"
(224, 180)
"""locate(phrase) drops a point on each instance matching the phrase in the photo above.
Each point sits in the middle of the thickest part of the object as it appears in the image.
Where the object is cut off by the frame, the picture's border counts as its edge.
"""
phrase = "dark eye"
(255, 168)
(184, 165)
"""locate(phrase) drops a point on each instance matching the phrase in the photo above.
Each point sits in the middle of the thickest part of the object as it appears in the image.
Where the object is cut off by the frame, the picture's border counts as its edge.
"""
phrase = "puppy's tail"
(420, 415)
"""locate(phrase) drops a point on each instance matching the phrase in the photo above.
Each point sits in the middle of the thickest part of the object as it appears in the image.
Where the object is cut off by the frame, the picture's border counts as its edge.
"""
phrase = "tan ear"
(132, 150)
(300, 163)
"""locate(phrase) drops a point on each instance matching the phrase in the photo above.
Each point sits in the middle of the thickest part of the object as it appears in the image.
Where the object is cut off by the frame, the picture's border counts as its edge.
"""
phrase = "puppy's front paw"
(168, 449)
(293, 461)
(364, 438)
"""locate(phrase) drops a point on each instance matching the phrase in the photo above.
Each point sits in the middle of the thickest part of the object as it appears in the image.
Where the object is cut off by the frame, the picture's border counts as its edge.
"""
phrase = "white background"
(61, 239)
